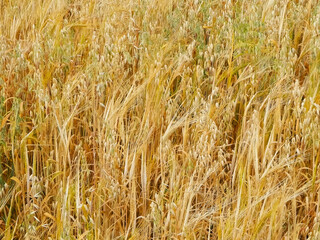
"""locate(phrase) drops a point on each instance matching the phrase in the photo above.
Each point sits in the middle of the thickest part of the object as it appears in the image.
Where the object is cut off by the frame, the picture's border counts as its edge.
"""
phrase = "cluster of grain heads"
(159, 119)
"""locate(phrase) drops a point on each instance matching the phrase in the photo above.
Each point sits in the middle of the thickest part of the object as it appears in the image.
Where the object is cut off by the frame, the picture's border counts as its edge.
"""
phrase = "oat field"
(160, 119)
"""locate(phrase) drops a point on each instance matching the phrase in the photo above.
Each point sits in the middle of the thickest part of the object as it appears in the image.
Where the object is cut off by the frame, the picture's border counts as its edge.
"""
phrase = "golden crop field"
(159, 119)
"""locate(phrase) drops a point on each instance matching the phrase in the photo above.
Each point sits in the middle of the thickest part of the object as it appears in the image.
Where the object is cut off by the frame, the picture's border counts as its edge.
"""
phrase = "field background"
(159, 119)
